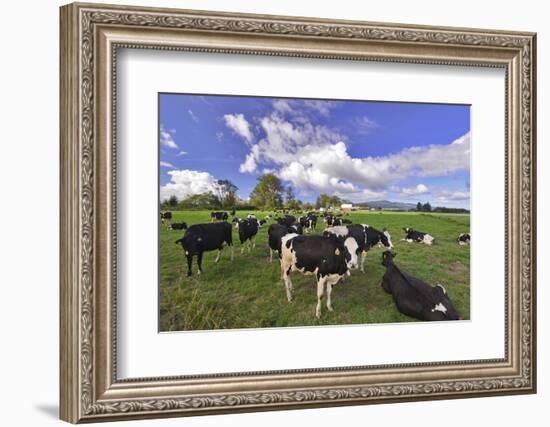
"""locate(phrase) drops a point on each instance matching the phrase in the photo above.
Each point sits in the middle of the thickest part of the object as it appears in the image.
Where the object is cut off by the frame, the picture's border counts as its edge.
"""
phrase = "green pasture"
(248, 292)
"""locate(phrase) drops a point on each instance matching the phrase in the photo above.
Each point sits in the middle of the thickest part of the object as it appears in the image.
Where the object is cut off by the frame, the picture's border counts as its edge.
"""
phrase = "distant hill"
(386, 204)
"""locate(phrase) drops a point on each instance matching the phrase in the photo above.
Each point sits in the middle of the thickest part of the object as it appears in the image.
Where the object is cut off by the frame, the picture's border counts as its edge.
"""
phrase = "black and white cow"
(417, 236)
(178, 226)
(288, 220)
(329, 219)
(328, 258)
(275, 233)
(201, 238)
(251, 216)
(296, 227)
(218, 216)
(309, 222)
(414, 297)
(463, 239)
(365, 236)
(248, 228)
(166, 218)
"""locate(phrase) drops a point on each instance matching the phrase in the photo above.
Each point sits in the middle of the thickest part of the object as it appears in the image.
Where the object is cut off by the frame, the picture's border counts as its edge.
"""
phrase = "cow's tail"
(179, 241)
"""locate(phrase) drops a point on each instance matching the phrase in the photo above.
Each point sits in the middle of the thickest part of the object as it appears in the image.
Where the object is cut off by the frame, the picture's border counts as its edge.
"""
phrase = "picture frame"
(91, 34)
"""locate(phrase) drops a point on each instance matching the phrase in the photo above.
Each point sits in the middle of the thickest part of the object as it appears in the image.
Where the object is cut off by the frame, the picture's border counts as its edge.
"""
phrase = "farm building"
(346, 207)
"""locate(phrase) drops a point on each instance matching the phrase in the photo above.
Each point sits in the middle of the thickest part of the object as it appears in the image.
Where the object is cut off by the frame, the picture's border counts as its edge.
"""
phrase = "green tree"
(323, 201)
(268, 193)
(172, 201)
(201, 201)
(426, 207)
(226, 191)
(419, 206)
(289, 196)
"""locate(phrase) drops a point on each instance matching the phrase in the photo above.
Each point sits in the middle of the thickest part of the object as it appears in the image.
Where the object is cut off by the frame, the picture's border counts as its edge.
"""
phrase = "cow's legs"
(219, 253)
(254, 243)
(363, 258)
(320, 293)
(199, 262)
(189, 263)
(232, 252)
(242, 247)
(288, 282)
(270, 255)
(249, 245)
(329, 291)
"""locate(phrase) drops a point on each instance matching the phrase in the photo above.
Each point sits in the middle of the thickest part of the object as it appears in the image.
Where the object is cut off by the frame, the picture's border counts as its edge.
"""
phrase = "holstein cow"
(275, 233)
(308, 222)
(201, 238)
(166, 218)
(463, 239)
(288, 220)
(178, 226)
(417, 236)
(414, 297)
(248, 228)
(296, 227)
(218, 216)
(328, 258)
(365, 236)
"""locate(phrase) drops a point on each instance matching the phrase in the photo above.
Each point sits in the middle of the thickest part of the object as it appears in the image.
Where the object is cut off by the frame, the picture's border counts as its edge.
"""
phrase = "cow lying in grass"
(417, 236)
(328, 258)
(365, 236)
(178, 226)
(414, 297)
(463, 239)
(200, 238)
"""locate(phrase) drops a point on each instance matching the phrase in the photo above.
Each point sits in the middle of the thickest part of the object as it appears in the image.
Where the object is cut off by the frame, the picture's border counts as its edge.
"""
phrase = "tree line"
(268, 194)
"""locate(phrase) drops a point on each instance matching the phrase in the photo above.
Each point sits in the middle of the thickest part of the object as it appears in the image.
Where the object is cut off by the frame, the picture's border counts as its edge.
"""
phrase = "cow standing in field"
(463, 239)
(288, 220)
(309, 222)
(417, 236)
(218, 216)
(365, 236)
(200, 238)
(414, 297)
(275, 233)
(328, 258)
(248, 229)
(166, 218)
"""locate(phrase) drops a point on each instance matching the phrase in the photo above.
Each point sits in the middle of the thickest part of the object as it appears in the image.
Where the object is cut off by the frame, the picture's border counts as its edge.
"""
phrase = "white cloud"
(316, 157)
(364, 125)
(181, 153)
(185, 183)
(166, 164)
(219, 136)
(193, 116)
(239, 125)
(166, 138)
(452, 196)
(414, 191)
(301, 111)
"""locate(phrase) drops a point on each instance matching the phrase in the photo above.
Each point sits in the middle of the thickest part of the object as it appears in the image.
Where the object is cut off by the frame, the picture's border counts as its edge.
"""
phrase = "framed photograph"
(266, 212)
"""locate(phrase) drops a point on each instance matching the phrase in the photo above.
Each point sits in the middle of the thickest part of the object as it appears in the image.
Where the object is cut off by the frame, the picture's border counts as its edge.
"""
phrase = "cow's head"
(190, 244)
(385, 239)
(387, 258)
(352, 248)
(445, 305)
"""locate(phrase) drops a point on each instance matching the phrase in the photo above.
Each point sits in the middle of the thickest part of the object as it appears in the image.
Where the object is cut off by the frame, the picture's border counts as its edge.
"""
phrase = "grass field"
(248, 292)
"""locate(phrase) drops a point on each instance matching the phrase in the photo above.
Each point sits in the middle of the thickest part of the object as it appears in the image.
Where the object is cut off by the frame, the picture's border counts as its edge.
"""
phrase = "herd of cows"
(329, 257)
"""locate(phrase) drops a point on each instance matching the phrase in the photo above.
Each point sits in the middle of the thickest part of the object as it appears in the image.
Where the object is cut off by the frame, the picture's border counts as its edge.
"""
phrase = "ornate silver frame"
(90, 36)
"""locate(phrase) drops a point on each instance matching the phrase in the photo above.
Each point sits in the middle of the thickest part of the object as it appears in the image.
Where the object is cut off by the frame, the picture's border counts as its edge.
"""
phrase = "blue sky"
(359, 150)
